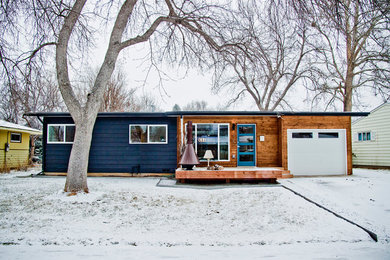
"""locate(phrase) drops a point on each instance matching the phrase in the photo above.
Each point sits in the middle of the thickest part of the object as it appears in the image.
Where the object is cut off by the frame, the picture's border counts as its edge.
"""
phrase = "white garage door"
(317, 151)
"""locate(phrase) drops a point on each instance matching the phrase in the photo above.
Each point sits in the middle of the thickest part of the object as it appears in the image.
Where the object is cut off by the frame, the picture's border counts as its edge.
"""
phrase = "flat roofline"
(204, 113)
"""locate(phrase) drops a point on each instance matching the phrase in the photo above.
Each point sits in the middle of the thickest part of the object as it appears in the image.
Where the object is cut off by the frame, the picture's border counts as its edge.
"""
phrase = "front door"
(246, 145)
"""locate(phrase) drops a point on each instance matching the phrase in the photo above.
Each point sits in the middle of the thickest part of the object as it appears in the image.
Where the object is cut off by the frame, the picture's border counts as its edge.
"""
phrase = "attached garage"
(317, 152)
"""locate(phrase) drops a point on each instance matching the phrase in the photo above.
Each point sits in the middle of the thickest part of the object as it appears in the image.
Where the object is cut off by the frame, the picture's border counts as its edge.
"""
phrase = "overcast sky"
(183, 88)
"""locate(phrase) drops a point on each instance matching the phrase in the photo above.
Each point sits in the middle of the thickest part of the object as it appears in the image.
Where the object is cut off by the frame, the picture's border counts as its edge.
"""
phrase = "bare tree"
(147, 103)
(276, 58)
(40, 94)
(117, 97)
(352, 48)
(176, 30)
(197, 105)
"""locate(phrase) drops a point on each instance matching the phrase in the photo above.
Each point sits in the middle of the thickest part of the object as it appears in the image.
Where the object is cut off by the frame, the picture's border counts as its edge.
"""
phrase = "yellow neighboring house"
(15, 144)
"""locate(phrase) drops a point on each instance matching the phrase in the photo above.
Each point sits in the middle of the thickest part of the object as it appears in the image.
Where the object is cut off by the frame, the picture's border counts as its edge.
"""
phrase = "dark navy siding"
(111, 151)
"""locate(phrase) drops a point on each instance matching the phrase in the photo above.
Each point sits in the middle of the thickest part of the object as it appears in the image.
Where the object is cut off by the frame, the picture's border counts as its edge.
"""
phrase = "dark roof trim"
(263, 113)
(204, 113)
(104, 114)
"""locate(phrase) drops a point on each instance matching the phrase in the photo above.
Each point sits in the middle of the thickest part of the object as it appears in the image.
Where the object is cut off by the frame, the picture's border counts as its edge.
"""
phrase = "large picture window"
(214, 137)
(148, 134)
(60, 133)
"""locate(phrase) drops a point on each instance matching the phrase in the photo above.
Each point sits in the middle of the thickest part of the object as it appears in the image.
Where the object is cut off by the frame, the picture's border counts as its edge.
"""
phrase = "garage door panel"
(317, 156)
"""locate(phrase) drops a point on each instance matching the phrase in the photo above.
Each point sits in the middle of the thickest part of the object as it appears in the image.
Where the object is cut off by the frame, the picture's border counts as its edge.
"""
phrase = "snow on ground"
(124, 217)
(363, 197)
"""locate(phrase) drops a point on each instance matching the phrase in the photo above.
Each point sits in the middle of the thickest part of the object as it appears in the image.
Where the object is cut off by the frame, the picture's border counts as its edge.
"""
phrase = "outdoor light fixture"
(208, 155)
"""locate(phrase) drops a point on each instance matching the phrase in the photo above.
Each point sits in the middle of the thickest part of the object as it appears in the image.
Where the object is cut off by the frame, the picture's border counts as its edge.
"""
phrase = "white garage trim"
(313, 152)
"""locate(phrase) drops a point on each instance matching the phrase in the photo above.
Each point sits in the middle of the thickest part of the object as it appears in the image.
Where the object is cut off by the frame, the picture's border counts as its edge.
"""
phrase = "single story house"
(15, 145)
(248, 144)
(371, 139)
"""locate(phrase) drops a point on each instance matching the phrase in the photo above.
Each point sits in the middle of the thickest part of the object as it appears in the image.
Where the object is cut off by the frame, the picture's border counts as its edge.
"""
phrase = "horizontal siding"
(375, 152)
(111, 151)
(14, 158)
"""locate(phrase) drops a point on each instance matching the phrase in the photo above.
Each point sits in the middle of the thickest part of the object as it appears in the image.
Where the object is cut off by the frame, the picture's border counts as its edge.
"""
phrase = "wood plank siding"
(272, 152)
(315, 122)
(110, 150)
(267, 152)
(231, 173)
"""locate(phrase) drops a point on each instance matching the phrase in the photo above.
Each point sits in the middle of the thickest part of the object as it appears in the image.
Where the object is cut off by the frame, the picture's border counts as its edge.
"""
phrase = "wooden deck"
(236, 173)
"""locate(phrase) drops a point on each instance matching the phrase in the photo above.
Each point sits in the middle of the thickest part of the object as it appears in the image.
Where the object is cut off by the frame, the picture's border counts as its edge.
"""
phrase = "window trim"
(218, 145)
(147, 136)
(58, 142)
(18, 134)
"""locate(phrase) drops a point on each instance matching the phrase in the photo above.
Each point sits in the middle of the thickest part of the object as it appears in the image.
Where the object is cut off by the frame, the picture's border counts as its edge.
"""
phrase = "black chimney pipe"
(189, 158)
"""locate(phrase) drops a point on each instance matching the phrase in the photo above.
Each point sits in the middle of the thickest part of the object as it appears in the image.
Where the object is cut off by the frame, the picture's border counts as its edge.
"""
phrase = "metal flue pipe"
(189, 158)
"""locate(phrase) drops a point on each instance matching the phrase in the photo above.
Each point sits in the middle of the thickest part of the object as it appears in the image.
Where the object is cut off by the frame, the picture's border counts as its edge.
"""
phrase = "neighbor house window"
(214, 137)
(16, 138)
(364, 136)
(302, 135)
(60, 133)
(148, 134)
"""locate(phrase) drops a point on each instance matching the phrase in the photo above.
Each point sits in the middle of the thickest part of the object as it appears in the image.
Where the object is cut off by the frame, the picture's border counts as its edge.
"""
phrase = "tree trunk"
(348, 91)
(76, 179)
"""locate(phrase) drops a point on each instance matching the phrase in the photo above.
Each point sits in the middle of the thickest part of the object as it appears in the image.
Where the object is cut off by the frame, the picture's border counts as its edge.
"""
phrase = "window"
(214, 137)
(16, 138)
(148, 134)
(302, 135)
(364, 136)
(60, 134)
(328, 135)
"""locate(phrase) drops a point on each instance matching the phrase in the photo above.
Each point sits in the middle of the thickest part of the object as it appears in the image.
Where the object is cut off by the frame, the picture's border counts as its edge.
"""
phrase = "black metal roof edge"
(103, 114)
(263, 113)
(203, 113)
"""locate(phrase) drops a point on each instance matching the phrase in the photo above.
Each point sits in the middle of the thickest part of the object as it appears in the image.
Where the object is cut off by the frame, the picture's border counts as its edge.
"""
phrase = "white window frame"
(218, 145)
(20, 138)
(147, 136)
(57, 142)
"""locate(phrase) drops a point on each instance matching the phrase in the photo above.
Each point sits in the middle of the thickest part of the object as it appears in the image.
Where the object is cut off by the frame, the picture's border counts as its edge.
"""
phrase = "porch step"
(244, 173)
(286, 175)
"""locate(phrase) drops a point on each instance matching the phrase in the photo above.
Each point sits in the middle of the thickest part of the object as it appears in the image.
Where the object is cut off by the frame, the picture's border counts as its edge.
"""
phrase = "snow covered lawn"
(363, 197)
(132, 216)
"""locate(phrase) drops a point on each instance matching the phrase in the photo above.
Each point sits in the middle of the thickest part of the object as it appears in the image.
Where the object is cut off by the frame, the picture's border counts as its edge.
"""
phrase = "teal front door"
(246, 145)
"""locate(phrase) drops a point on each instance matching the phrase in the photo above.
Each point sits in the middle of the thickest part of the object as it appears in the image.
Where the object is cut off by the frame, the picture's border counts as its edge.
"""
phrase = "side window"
(138, 134)
(157, 134)
(57, 134)
(16, 138)
(148, 134)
